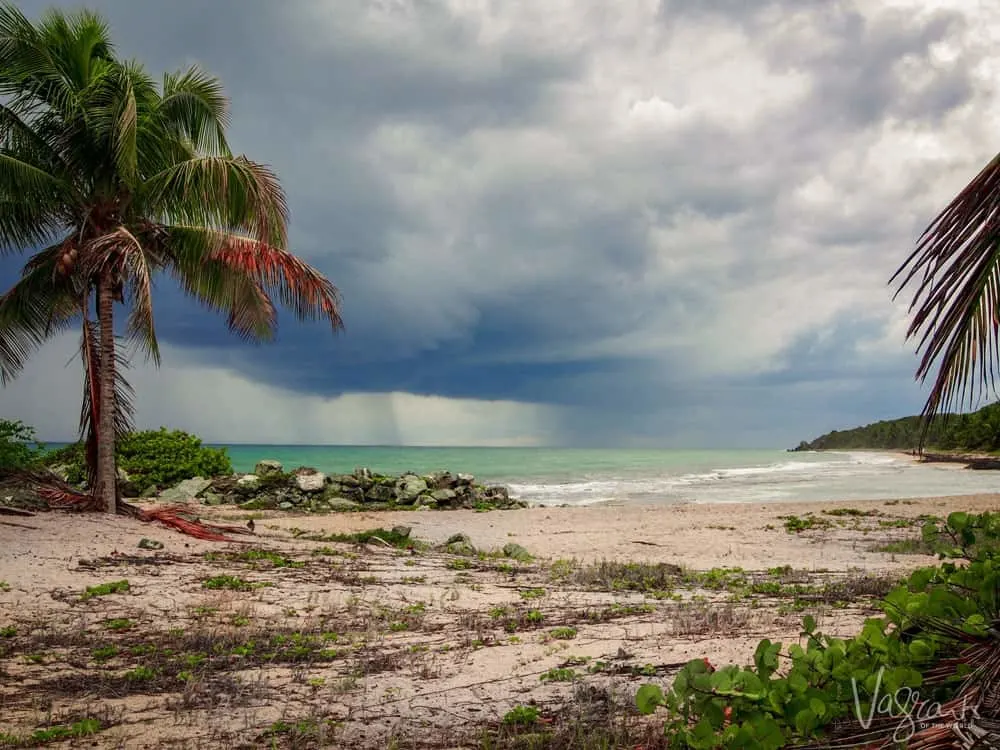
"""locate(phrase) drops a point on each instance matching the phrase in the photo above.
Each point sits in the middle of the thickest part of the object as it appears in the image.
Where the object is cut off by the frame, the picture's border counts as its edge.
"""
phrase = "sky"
(633, 223)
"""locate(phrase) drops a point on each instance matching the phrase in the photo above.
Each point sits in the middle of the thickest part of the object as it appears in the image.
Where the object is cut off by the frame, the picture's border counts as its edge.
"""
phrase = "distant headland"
(961, 437)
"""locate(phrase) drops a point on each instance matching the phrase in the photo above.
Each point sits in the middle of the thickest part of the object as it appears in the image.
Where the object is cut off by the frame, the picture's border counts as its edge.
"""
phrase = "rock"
(402, 531)
(427, 503)
(341, 505)
(126, 485)
(314, 482)
(150, 544)
(497, 495)
(381, 493)
(460, 548)
(517, 552)
(443, 497)
(268, 467)
(248, 482)
(409, 488)
(459, 544)
(465, 479)
(212, 498)
(189, 488)
(285, 506)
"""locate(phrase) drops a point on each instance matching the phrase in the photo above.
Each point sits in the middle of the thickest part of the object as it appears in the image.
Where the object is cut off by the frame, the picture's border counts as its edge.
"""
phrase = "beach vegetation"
(48, 735)
(522, 715)
(105, 589)
(19, 449)
(559, 674)
(933, 643)
(978, 432)
(111, 179)
(119, 623)
(150, 458)
(229, 582)
(385, 537)
(563, 634)
(795, 524)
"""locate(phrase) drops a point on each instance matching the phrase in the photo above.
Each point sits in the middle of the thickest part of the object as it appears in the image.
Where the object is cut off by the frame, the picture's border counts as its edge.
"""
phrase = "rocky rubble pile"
(306, 489)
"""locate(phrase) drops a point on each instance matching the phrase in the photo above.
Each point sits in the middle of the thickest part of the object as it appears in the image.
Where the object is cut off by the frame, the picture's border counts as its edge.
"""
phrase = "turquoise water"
(555, 476)
(493, 464)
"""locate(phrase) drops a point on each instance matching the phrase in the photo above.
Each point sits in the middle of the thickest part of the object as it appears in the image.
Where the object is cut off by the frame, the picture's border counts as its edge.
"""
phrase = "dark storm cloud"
(553, 209)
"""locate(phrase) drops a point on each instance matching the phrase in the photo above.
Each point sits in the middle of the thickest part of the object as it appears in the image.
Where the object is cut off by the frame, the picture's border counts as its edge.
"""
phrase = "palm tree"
(109, 178)
(956, 303)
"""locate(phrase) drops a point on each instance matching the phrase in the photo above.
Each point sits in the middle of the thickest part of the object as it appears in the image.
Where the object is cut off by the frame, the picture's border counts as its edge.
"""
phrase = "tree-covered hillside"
(978, 431)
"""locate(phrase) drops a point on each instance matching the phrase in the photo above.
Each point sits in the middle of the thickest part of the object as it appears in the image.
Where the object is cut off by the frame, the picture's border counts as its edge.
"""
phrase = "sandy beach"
(289, 638)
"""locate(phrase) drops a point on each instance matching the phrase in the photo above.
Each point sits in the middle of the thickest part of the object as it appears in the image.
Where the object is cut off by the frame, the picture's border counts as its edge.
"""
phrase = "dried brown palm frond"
(956, 303)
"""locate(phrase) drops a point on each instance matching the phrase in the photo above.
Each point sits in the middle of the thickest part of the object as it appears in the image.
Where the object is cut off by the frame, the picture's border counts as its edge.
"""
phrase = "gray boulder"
(248, 482)
(212, 498)
(517, 552)
(409, 488)
(443, 497)
(268, 467)
(459, 544)
(314, 482)
(186, 490)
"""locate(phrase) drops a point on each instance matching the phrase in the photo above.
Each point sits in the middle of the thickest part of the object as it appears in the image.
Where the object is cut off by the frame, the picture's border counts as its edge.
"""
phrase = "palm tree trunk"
(107, 478)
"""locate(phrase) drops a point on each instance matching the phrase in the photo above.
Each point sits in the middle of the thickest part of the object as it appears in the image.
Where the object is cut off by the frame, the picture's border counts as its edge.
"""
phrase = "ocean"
(557, 476)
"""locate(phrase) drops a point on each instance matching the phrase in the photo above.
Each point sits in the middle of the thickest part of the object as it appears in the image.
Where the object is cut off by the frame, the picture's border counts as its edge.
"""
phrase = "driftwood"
(5, 511)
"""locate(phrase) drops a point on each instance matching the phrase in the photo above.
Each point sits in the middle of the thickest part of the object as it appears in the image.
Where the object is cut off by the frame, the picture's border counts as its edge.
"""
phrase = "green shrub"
(18, 447)
(152, 457)
(933, 646)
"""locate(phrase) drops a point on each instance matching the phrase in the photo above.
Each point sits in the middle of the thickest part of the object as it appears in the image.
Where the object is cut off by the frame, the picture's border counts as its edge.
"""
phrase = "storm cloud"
(639, 223)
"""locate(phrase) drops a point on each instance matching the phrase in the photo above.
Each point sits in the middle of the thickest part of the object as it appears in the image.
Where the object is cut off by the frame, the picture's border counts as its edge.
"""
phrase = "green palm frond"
(956, 303)
(18, 137)
(32, 203)
(230, 193)
(49, 63)
(195, 108)
(31, 312)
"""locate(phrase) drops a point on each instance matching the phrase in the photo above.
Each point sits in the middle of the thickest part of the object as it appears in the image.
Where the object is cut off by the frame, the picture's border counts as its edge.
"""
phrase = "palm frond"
(32, 311)
(131, 258)
(194, 107)
(19, 137)
(230, 193)
(32, 203)
(279, 274)
(50, 62)
(188, 257)
(956, 303)
(124, 393)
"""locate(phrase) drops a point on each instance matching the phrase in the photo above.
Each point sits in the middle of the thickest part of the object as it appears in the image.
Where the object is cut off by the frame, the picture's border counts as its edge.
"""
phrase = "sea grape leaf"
(648, 697)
